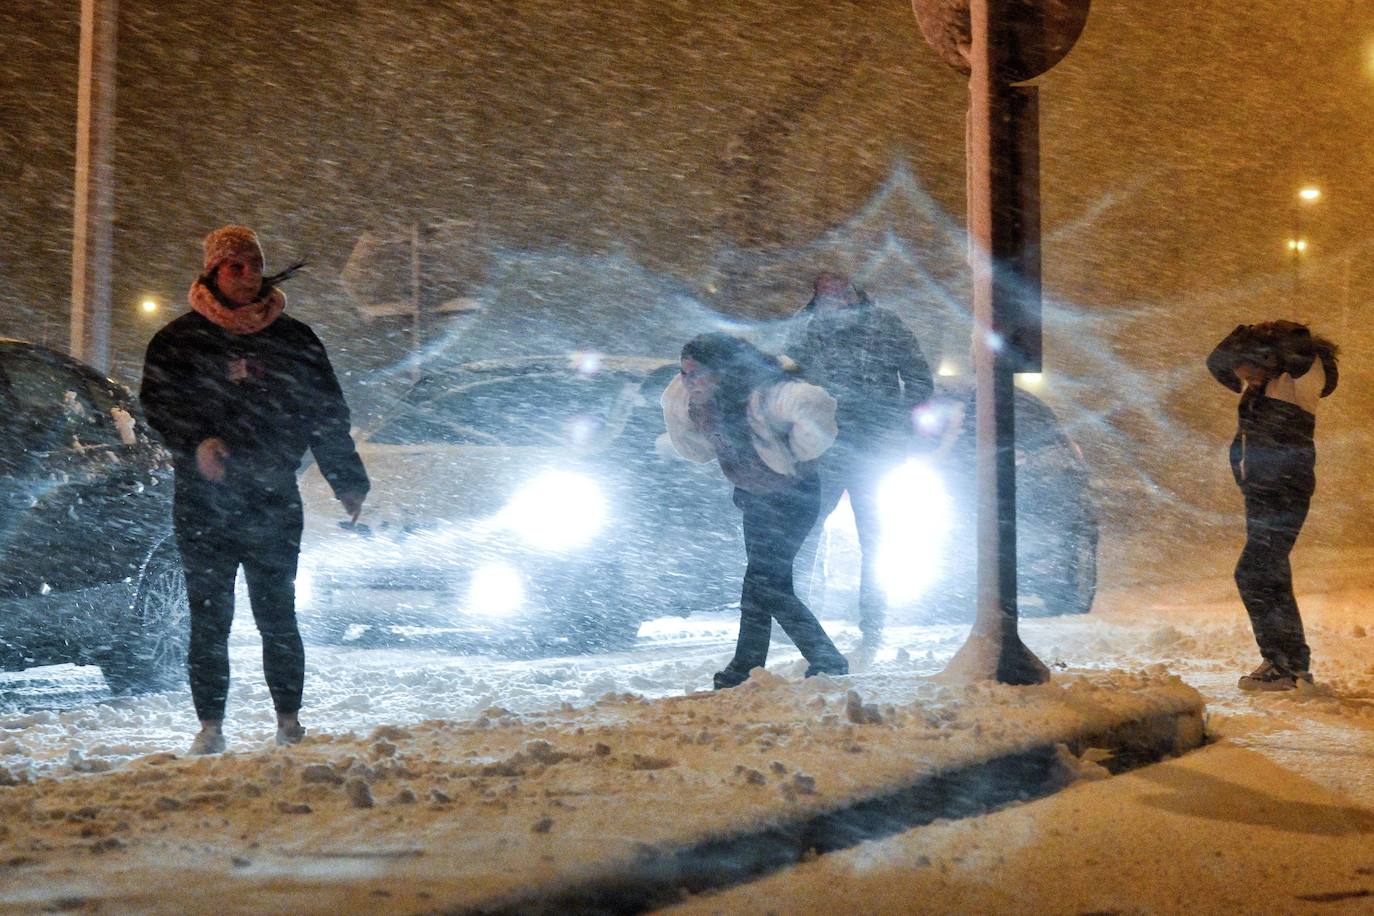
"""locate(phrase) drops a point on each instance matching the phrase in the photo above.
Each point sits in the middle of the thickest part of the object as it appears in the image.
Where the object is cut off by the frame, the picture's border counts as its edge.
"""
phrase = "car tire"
(150, 654)
(1073, 585)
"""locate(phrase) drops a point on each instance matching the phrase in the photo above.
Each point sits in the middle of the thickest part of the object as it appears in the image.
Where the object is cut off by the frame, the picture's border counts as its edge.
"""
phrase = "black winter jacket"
(868, 360)
(269, 396)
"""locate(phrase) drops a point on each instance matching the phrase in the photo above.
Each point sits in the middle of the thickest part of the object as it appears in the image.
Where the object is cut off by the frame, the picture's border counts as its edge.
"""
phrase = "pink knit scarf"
(248, 319)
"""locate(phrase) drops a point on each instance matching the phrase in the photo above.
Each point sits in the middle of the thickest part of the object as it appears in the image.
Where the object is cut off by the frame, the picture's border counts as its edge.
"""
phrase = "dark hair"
(740, 369)
(1281, 346)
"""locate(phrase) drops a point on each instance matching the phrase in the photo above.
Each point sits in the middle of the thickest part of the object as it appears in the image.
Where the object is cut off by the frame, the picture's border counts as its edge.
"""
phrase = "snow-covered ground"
(1316, 747)
(1276, 815)
(57, 721)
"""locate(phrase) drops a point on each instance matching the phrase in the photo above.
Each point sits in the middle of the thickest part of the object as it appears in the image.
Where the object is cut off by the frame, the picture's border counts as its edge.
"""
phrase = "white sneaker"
(207, 742)
(290, 735)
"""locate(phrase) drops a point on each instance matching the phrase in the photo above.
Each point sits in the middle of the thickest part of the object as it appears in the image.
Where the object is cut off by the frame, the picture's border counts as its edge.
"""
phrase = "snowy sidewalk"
(1277, 816)
(509, 809)
(1224, 830)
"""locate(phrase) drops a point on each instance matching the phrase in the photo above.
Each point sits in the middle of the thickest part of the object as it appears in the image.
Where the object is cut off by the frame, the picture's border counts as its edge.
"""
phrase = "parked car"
(89, 572)
(535, 503)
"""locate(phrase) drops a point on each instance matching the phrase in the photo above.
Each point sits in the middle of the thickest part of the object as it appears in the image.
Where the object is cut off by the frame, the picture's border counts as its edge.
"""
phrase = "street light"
(1297, 245)
(148, 306)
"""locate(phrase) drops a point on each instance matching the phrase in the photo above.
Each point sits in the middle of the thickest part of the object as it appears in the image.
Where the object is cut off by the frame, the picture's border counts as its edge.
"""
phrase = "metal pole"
(93, 205)
(1001, 140)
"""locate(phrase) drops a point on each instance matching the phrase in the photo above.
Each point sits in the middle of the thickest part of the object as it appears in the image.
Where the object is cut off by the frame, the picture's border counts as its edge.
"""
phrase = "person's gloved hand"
(353, 504)
(210, 457)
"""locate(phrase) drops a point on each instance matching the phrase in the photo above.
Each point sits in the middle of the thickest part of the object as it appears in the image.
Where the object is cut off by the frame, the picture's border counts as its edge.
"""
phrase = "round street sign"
(1039, 33)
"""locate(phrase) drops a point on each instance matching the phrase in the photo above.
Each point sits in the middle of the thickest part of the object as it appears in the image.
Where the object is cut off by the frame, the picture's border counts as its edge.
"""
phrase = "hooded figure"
(874, 367)
(735, 405)
(1281, 370)
(238, 390)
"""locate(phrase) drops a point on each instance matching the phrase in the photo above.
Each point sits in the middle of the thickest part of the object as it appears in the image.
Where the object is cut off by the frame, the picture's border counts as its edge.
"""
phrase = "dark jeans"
(265, 540)
(1274, 514)
(847, 468)
(775, 524)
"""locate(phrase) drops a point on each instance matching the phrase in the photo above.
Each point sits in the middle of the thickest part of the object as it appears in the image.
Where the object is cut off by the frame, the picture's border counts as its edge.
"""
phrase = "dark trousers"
(775, 524)
(1274, 515)
(265, 541)
(847, 468)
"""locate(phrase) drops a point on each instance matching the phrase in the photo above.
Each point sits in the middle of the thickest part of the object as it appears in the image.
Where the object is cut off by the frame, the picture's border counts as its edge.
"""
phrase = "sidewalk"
(625, 798)
(1223, 830)
(1277, 816)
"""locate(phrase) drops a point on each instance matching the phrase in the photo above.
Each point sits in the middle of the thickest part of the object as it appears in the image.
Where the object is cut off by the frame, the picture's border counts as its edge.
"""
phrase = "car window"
(55, 406)
(546, 408)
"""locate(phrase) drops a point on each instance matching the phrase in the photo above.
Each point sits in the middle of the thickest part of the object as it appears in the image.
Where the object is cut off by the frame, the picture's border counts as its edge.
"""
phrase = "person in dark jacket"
(734, 405)
(873, 365)
(1281, 370)
(238, 390)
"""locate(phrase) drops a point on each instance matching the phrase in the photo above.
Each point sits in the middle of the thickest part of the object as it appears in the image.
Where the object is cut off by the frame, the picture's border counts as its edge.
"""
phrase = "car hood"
(421, 491)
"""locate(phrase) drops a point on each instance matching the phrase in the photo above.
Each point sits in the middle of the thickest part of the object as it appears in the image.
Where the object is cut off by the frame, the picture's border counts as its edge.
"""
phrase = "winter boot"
(207, 742)
(729, 677)
(1269, 676)
(291, 734)
(834, 669)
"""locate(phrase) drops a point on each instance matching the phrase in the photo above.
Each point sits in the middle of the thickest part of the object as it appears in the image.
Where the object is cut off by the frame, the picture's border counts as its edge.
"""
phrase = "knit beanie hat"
(232, 242)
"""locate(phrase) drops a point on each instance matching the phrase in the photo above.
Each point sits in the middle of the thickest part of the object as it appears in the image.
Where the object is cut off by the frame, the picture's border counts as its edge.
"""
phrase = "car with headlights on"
(520, 504)
(928, 513)
(89, 571)
(532, 504)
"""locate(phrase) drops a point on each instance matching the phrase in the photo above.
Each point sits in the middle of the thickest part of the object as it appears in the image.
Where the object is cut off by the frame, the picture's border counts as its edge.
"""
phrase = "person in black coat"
(238, 391)
(1280, 369)
(873, 365)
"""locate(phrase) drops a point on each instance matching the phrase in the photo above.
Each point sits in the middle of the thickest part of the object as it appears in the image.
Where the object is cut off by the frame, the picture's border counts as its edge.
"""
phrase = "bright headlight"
(495, 590)
(557, 511)
(914, 514)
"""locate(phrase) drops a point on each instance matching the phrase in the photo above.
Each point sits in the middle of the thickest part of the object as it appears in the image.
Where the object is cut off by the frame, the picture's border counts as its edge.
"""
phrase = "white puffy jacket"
(792, 422)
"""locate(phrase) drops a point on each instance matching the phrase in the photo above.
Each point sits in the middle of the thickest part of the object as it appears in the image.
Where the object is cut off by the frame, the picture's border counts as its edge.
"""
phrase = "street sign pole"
(999, 43)
(93, 203)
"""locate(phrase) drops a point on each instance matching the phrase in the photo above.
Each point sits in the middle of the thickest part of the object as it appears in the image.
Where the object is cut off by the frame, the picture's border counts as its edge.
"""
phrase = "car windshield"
(532, 408)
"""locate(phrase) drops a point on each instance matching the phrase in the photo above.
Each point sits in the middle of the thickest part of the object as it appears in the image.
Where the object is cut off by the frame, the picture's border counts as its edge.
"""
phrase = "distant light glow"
(557, 511)
(947, 368)
(1297, 245)
(1310, 193)
(1030, 379)
(933, 418)
(496, 590)
(587, 362)
(149, 305)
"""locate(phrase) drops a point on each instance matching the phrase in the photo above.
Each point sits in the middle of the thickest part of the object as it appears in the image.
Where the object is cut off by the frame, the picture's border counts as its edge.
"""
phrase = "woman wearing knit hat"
(238, 390)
